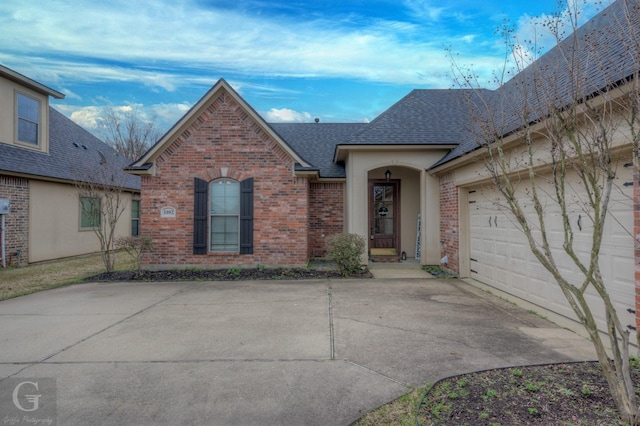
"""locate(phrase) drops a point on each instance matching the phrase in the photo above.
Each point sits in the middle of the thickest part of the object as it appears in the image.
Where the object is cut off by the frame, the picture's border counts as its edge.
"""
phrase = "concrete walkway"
(260, 353)
(404, 269)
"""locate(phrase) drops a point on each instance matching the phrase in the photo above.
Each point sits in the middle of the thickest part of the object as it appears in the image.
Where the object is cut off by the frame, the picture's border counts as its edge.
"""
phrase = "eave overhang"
(342, 150)
(25, 81)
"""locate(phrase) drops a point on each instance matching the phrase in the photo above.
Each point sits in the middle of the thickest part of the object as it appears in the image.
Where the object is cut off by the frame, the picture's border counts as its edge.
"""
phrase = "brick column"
(449, 218)
(17, 221)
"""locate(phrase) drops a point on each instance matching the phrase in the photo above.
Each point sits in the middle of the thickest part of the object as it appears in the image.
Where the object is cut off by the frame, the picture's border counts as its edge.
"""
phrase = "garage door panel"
(558, 303)
(537, 290)
(504, 260)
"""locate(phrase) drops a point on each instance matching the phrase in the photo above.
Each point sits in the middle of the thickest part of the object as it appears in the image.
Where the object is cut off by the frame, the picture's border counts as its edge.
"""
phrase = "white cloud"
(89, 117)
(286, 115)
(424, 9)
(469, 38)
(535, 35)
(170, 112)
(92, 117)
(152, 42)
(170, 46)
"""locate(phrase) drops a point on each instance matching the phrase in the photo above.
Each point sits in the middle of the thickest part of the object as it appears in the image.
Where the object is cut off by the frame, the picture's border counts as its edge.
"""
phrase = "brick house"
(299, 184)
(43, 154)
(225, 188)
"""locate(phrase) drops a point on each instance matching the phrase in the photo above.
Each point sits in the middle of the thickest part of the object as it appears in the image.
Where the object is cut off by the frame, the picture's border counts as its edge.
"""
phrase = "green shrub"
(234, 272)
(346, 250)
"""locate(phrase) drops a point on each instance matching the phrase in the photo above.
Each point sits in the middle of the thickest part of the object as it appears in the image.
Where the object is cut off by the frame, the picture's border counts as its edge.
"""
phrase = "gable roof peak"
(144, 164)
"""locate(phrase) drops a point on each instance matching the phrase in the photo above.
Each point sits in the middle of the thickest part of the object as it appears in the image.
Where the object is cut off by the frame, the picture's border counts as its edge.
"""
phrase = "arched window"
(224, 213)
(222, 216)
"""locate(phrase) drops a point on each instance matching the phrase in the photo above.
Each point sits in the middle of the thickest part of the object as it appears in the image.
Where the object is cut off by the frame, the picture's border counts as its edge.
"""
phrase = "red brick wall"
(226, 137)
(449, 222)
(326, 215)
(17, 221)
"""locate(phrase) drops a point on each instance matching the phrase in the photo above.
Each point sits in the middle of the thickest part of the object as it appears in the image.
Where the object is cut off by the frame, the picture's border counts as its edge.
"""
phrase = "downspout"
(4, 263)
(4, 210)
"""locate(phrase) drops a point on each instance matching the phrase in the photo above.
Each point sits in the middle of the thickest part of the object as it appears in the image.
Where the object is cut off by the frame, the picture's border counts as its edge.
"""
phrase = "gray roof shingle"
(423, 117)
(607, 53)
(316, 142)
(74, 155)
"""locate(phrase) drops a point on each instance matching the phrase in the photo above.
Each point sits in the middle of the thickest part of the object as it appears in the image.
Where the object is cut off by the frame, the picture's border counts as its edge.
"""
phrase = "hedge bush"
(347, 250)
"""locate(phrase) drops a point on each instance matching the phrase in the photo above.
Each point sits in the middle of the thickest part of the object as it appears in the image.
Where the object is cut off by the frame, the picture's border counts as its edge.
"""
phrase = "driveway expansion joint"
(332, 345)
(84, 339)
(377, 373)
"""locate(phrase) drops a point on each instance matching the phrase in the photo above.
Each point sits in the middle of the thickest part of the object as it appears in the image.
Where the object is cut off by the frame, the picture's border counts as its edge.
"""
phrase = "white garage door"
(500, 254)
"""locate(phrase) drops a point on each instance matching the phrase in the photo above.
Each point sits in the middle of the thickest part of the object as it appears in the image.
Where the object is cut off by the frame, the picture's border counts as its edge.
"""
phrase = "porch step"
(384, 252)
(384, 259)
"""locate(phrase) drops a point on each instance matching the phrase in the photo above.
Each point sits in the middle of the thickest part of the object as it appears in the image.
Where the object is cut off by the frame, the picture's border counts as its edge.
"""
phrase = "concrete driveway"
(268, 352)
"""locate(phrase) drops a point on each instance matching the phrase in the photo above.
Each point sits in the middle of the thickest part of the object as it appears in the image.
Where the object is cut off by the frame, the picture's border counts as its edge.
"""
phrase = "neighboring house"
(43, 155)
(225, 188)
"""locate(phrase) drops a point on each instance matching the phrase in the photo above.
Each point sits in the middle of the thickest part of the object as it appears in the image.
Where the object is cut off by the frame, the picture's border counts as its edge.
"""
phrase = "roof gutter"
(341, 150)
(16, 77)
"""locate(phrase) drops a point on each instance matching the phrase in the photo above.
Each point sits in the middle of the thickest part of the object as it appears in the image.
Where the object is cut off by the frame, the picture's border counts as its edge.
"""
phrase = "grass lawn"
(40, 276)
(401, 412)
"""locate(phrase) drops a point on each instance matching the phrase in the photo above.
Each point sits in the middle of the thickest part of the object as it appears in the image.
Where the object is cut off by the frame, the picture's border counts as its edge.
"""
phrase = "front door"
(384, 214)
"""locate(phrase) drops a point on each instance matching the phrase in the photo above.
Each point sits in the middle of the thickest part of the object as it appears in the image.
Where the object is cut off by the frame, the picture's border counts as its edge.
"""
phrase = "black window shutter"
(246, 216)
(200, 192)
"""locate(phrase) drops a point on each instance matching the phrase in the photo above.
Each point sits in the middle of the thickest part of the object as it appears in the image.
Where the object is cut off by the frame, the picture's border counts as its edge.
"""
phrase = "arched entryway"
(393, 213)
(418, 194)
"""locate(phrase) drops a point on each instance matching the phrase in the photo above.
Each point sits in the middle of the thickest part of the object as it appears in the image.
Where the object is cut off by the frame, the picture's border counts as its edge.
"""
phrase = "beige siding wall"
(55, 223)
(419, 191)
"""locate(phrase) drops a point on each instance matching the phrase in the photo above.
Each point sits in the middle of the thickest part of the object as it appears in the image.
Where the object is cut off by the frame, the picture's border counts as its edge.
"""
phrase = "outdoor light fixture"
(387, 175)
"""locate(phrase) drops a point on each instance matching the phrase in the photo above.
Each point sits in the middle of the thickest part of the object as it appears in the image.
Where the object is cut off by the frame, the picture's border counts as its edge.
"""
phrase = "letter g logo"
(33, 399)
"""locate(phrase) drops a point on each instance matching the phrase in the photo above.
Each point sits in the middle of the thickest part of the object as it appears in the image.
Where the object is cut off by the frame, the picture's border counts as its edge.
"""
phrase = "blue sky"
(339, 60)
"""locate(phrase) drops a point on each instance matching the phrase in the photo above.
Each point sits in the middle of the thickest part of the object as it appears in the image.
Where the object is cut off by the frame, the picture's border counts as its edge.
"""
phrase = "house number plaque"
(168, 212)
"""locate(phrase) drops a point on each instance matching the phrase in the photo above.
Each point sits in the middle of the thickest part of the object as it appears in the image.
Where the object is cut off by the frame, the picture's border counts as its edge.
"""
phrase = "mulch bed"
(559, 394)
(233, 274)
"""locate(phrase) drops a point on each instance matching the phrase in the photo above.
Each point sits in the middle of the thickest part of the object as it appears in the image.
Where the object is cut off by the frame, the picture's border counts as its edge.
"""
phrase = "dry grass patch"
(401, 411)
(40, 276)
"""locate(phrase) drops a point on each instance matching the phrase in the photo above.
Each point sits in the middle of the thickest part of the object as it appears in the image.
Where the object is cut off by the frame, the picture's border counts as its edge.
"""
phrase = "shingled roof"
(74, 155)
(316, 142)
(423, 117)
(607, 54)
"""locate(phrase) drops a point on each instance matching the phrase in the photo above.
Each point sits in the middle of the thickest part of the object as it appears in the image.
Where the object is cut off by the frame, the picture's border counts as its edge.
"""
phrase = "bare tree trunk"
(105, 209)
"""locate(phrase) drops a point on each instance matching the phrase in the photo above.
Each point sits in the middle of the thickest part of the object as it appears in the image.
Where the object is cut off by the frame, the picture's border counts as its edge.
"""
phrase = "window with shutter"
(200, 192)
(246, 216)
(223, 215)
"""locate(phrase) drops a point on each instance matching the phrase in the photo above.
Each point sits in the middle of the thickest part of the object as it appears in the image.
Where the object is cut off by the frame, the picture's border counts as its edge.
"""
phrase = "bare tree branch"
(574, 113)
(129, 132)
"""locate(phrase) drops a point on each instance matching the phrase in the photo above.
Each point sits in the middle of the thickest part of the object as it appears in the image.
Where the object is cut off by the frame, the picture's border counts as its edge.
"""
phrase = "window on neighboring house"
(135, 218)
(28, 119)
(224, 210)
(89, 212)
